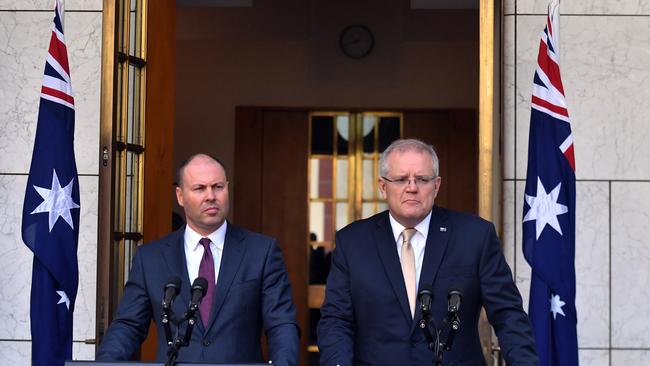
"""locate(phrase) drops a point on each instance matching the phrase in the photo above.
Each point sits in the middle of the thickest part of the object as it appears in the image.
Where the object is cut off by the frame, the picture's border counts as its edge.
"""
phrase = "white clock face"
(356, 41)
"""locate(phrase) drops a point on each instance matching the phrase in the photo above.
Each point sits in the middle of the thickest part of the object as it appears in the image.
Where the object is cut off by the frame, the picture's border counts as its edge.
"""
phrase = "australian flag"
(50, 226)
(549, 209)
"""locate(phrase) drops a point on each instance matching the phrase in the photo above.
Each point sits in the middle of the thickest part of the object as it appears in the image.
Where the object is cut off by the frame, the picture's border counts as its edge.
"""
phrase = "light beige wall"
(286, 53)
(605, 62)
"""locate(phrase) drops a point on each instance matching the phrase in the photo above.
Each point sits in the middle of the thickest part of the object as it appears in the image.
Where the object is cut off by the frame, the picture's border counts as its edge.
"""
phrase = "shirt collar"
(218, 237)
(422, 227)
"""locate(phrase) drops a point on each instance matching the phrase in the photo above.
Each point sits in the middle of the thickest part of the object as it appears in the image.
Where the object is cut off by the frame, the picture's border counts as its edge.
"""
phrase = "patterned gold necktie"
(408, 267)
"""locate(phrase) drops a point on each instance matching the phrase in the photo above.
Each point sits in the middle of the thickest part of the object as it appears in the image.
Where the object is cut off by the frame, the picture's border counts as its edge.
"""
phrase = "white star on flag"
(556, 305)
(545, 209)
(64, 299)
(57, 201)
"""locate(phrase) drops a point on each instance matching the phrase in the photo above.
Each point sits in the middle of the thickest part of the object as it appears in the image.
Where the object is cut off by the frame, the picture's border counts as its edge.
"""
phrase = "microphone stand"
(183, 341)
(424, 325)
(455, 326)
(437, 346)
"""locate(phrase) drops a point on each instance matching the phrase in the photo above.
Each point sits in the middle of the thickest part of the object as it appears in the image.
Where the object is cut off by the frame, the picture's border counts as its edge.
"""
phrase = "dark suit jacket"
(365, 319)
(252, 293)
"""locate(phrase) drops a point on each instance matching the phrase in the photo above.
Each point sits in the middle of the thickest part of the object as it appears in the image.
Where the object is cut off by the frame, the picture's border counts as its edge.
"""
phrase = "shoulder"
(158, 245)
(462, 218)
(365, 226)
(465, 225)
(250, 238)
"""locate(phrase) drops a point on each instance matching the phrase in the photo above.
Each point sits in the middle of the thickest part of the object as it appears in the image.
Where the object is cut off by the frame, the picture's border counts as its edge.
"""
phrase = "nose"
(411, 186)
(211, 195)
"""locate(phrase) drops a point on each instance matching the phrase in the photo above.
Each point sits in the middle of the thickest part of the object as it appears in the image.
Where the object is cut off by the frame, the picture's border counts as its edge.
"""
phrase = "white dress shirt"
(194, 250)
(418, 241)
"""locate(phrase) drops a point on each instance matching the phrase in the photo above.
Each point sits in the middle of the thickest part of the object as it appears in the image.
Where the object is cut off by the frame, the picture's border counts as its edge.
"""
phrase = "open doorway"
(424, 57)
(304, 174)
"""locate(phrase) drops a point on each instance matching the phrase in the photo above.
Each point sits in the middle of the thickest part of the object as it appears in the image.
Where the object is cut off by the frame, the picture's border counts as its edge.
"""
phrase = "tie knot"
(407, 234)
(205, 242)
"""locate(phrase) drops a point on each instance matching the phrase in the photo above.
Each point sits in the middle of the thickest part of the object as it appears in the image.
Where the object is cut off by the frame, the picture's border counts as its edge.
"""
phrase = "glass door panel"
(343, 170)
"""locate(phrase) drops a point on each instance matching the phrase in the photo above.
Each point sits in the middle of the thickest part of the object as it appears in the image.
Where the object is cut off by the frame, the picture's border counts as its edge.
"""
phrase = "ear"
(436, 186)
(382, 188)
(179, 196)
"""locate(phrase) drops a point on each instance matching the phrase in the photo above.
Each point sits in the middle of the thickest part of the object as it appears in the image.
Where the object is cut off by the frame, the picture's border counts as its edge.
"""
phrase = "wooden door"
(270, 186)
(453, 133)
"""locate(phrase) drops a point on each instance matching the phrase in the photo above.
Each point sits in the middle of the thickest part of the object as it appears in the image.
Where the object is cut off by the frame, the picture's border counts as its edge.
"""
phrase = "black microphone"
(453, 300)
(172, 287)
(426, 298)
(199, 289)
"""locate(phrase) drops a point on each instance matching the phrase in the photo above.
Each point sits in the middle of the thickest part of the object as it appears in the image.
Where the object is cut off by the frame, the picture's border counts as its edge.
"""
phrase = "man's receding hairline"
(191, 159)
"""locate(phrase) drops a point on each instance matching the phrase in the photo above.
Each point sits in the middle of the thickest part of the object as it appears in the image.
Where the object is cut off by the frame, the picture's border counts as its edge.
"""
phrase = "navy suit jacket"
(366, 320)
(252, 293)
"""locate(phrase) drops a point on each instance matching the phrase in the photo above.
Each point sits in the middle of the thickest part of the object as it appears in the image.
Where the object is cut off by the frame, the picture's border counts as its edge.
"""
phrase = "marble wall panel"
(84, 39)
(82, 351)
(85, 311)
(589, 357)
(590, 7)
(604, 62)
(20, 353)
(630, 357)
(15, 353)
(16, 261)
(527, 45)
(509, 225)
(630, 250)
(49, 5)
(523, 271)
(592, 263)
(24, 37)
(508, 97)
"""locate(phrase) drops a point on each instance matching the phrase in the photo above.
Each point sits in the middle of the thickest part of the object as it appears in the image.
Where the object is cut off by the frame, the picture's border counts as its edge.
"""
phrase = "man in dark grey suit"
(371, 307)
(248, 287)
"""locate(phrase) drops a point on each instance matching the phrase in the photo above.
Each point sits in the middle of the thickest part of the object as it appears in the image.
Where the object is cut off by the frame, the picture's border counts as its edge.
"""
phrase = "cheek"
(223, 198)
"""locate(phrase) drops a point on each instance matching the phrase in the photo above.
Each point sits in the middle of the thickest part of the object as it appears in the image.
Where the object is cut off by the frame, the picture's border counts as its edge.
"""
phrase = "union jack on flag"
(549, 208)
(50, 225)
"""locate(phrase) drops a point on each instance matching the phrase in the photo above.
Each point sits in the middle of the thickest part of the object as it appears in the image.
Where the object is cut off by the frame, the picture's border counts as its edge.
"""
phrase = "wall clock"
(356, 41)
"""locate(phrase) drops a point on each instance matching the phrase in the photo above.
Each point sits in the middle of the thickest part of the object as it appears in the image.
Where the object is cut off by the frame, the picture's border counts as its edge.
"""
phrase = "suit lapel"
(434, 251)
(174, 256)
(233, 253)
(437, 240)
(387, 248)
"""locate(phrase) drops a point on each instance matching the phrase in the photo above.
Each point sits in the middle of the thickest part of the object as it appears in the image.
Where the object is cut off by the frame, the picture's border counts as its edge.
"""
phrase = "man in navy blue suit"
(371, 306)
(248, 288)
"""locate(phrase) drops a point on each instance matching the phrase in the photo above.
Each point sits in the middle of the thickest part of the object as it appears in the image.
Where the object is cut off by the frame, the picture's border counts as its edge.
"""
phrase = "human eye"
(220, 186)
(401, 180)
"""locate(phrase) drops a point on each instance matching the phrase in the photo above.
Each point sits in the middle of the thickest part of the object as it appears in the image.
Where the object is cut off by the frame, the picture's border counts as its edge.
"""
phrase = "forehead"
(203, 170)
(410, 162)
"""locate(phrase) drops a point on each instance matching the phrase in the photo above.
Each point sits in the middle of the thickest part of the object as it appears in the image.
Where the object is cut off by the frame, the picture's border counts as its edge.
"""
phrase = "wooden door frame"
(158, 177)
(489, 157)
(490, 195)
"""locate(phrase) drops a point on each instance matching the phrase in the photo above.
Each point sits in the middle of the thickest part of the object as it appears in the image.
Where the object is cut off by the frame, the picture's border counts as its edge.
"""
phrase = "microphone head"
(455, 292)
(173, 283)
(454, 298)
(200, 283)
(425, 289)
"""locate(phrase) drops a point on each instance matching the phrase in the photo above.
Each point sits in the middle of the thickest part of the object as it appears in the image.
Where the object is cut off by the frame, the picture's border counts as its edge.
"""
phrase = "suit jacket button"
(206, 342)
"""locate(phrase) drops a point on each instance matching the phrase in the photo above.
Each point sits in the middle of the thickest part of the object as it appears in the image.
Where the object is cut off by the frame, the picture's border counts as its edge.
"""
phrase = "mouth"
(211, 210)
(411, 202)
